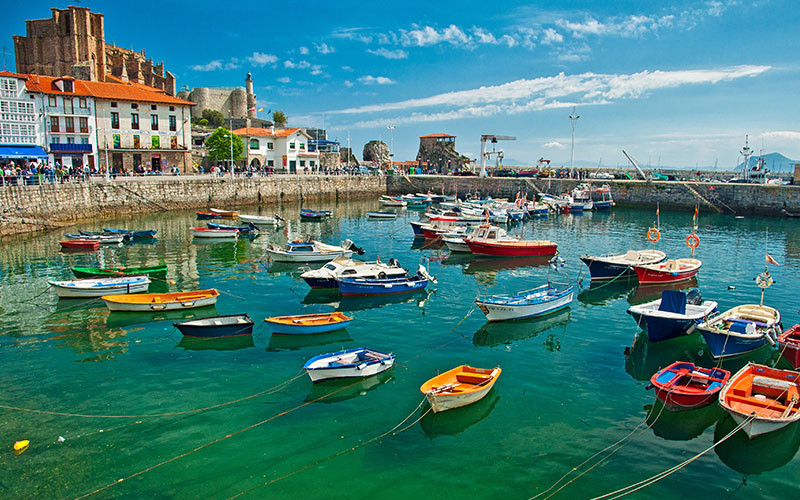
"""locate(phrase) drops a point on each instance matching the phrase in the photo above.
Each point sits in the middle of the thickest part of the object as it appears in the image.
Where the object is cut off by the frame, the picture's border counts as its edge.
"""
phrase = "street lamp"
(573, 117)
(391, 144)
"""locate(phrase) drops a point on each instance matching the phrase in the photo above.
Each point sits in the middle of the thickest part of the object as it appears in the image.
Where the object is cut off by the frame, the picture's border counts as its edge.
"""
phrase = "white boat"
(382, 215)
(459, 387)
(100, 287)
(359, 362)
(741, 329)
(149, 302)
(312, 251)
(609, 267)
(390, 201)
(529, 304)
(455, 239)
(204, 232)
(261, 220)
(676, 313)
(105, 239)
(582, 198)
(344, 267)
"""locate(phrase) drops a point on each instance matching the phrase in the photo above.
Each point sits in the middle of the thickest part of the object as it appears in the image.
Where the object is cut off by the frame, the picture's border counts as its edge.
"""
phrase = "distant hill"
(775, 162)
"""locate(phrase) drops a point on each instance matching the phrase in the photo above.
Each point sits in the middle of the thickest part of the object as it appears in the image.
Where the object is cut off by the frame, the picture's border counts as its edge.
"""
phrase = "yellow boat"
(459, 387)
(161, 301)
(308, 323)
(226, 214)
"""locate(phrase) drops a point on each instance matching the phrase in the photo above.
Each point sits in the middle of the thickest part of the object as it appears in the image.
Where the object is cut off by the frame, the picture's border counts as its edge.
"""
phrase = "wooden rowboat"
(149, 302)
(80, 244)
(669, 271)
(159, 271)
(684, 386)
(358, 362)
(233, 325)
(308, 323)
(225, 214)
(204, 232)
(789, 345)
(100, 287)
(458, 387)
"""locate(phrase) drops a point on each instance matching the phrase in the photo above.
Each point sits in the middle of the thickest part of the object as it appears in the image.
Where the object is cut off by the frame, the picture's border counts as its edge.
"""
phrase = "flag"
(656, 210)
(252, 109)
(260, 110)
(695, 213)
(772, 261)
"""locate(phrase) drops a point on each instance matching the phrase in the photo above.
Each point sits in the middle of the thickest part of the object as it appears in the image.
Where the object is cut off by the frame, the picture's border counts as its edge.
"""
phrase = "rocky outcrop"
(376, 152)
(344, 153)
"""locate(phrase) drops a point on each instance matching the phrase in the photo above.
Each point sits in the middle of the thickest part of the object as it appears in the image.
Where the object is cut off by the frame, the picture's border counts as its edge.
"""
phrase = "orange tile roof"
(435, 135)
(265, 132)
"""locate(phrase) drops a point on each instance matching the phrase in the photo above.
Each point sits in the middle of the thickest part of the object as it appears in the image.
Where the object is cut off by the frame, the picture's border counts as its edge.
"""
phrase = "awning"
(21, 152)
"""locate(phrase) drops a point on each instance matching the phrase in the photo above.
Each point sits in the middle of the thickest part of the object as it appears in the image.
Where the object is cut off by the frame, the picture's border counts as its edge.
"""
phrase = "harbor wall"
(743, 199)
(30, 208)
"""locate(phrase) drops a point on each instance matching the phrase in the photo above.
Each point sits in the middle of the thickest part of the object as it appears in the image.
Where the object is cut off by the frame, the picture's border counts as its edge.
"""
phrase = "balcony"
(59, 110)
(70, 148)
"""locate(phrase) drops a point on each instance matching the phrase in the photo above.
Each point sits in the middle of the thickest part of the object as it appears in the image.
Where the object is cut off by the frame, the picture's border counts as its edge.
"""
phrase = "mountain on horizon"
(774, 162)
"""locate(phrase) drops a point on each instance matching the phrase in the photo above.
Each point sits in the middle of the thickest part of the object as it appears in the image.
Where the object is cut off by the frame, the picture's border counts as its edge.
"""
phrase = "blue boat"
(675, 314)
(248, 228)
(150, 233)
(741, 330)
(385, 286)
(609, 267)
(358, 362)
(417, 227)
(308, 214)
(540, 301)
(125, 236)
(308, 324)
(233, 325)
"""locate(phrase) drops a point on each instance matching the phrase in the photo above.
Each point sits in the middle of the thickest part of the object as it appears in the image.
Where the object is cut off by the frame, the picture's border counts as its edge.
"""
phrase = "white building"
(283, 149)
(20, 126)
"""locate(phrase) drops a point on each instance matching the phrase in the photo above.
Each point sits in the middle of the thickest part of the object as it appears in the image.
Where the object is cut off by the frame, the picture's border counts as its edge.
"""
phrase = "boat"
(204, 232)
(358, 362)
(382, 215)
(685, 386)
(492, 240)
(581, 198)
(344, 267)
(385, 286)
(305, 324)
(391, 201)
(261, 220)
(225, 214)
(455, 240)
(416, 226)
(161, 301)
(669, 271)
(125, 236)
(232, 325)
(79, 244)
(104, 239)
(459, 387)
(789, 345)
(606, 201)
(740, 330)
(539, 301)
(307, 214)
(247, 228)
(607, 267)
(312, 251)
(159, 271)
(764, 399)
(100, 287)
(207, 215)
(142, 234)
(675, 314)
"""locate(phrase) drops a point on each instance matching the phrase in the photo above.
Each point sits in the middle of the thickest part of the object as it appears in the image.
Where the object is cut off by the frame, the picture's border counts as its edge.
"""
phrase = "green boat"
(159, 271)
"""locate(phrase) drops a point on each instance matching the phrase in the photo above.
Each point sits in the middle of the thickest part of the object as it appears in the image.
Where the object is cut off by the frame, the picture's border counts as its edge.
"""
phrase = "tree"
(279, 118)
(215, 118)
(218, 145)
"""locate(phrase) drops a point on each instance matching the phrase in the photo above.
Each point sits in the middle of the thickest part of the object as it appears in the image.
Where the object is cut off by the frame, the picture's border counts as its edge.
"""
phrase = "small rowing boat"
(261, 220)
(307, 214)
(225, 214)
(149, 302)
(312, 251)
(459, 387)
(142, 234)
(308, 323)
(670, 271)
(104, 239)
(607, 267)
(100, 287)
(207, 215)
(391, 201)
(159, 271)
(540, 301)
(204, 232)
(789, 345)
(247, 228)
(740, 329)
(79, 244)
(232, 325)
(684, 386)
(382, 215)
(675, 314)
(359, 362)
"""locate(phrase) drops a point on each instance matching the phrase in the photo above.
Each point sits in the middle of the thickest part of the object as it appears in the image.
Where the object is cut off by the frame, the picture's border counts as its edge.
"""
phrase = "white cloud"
(426, 36)
(356, 34)
(782, 134)
(284, 79)
(347, 68)
(304, 50)
(232, 64)
(211, 66)
(554, 144)
(348, 83)
(316, 69)
(389, 54)
(296, 65)
(324, 48)
(375, 80)
(261, 59)
(551, 36)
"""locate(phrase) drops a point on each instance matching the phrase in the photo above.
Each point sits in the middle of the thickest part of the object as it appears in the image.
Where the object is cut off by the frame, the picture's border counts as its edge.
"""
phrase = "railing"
(70, 148)
(61, 111)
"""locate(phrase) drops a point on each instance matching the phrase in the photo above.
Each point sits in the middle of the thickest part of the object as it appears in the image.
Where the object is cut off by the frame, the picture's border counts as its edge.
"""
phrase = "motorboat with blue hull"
(740, 330)
(143, 234)
(675, 314)
(248, 228)
(343, 267)
(360, 286)
(232, 325)
(540, 301)
(608, 267)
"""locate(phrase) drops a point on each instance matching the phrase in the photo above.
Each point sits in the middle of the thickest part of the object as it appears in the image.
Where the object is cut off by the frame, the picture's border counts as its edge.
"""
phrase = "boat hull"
(724, 346)
(214, 233)
(64, 290)
(320, 323)
(91, 272)
(282, 256)
(789, 346)
(505, 312)
(684, 386)
(350, 288)
(329, 366)
(80, 244)
(510, 250)
(161, 302)
(227, 327)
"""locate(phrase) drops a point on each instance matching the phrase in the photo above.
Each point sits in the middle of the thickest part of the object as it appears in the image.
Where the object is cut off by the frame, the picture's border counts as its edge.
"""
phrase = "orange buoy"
(653, 234)
(692, 241)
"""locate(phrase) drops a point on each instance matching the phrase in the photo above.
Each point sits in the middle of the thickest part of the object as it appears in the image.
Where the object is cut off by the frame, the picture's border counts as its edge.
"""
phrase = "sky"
(673, 83)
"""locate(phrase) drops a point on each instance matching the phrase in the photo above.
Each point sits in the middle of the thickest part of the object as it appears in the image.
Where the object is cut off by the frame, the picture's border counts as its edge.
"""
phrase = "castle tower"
(251, 97)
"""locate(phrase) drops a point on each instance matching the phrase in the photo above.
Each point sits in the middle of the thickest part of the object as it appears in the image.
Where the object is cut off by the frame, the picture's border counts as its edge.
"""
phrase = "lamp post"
(391, 144)
(573, 117)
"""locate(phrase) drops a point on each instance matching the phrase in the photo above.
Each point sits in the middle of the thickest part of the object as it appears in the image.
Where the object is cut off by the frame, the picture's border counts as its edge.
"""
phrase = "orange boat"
(458, 387)
(767, 399)
(308, 323)
(225, 214)
(161, 301)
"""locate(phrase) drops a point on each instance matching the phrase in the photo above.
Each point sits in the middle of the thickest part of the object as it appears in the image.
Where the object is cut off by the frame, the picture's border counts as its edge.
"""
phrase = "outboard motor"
(278, 217)
(424, 273)
(393, 262)
(693, 297)
(348, 244)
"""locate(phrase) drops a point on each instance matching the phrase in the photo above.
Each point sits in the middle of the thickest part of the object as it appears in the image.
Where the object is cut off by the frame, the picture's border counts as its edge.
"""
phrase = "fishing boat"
(100, 287)
(382, 215)
(740, 330)
(232, 325)
(225, 214)
(684, 386)
(675, 314)
(669, 271)
(608, 267)
(789, 345)
(307, 214)
(79, 244)
(385, 286)
(416, 226)
(204, 232)
(492, 240)
(344, 267)
(246, 228)
(206, 215)
(455, 240)
(358, 362)
(148, 302)
(103, 239)
(312, 251)
(539, 301)
(391, 201)
(159, 271)
(261, 220)
(136, 235)
(605, 201)
(764, 399)
(305, 324)
(459, 387)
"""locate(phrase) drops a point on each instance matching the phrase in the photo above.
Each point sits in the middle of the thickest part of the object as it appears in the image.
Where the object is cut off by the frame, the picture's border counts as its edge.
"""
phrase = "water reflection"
(456, 421)
(681, 425)
(644, 358)
(761, 454)
(361, 303)
(119, 319)
(509, 332)
(337, 393)
(220, 344)
(295, 342)
(293, 269)
(599, 294)
(647, 293)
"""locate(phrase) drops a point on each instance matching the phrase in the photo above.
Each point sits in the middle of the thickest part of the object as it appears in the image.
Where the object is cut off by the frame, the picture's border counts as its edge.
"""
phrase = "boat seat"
(473, 378)
(631, 255)
(773, 388)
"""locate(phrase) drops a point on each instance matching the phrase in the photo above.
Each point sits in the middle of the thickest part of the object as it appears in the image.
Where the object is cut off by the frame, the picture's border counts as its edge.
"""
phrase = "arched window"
(253, 143)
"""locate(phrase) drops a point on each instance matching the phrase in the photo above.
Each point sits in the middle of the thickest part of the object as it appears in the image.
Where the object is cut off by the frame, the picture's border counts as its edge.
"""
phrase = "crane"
(634, 164)
(493, 139)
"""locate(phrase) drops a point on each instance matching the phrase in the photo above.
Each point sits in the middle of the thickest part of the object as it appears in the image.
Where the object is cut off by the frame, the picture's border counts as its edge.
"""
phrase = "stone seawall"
(30, 208)
(725, 198)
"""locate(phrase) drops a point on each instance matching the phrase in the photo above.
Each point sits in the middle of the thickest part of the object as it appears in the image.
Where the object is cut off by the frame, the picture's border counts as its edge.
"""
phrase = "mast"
(746, 152)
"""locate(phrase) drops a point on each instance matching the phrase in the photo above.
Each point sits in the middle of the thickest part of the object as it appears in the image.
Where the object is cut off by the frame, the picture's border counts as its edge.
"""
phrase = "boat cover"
(673, 301)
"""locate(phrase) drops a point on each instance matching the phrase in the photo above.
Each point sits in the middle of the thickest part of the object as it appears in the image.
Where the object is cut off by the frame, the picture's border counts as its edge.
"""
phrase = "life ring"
(764, 280)
(692, 241)
(382, 275)
(653, 234)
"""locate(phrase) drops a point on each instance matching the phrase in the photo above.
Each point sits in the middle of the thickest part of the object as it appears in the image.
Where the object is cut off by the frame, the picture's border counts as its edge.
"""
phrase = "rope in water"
(271, 390)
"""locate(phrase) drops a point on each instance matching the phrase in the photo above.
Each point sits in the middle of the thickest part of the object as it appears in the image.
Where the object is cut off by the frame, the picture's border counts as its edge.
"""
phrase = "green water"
(572, 383)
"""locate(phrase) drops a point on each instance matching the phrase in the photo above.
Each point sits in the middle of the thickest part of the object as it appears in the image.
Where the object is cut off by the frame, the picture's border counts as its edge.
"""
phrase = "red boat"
(434, 233)
(789, 345)
(80, 244)
(684, 386)
(669, 271)
(492, 240)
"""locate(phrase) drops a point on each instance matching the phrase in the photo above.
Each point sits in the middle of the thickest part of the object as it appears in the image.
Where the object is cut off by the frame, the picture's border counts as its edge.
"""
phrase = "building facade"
(232, 102)
(285, 150)
(20, 126)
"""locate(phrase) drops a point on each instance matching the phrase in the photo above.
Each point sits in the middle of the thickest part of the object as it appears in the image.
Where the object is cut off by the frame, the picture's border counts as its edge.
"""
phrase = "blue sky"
(676, 83)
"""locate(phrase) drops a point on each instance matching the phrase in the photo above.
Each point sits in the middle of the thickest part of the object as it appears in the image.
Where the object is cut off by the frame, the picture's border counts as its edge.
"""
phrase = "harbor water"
(113, 394)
